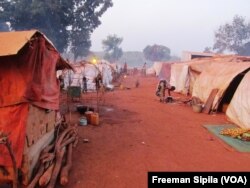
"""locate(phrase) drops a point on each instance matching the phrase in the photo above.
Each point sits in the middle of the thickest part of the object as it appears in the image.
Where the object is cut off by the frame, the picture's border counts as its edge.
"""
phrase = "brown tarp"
(12, 121)
(30, 76)
(27, 77)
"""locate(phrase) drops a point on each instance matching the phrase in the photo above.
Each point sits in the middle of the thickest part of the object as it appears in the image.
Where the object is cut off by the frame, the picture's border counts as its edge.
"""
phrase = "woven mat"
(237, 144)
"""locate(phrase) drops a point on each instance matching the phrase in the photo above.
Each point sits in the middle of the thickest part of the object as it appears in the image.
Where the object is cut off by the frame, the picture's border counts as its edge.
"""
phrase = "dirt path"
(138, 134)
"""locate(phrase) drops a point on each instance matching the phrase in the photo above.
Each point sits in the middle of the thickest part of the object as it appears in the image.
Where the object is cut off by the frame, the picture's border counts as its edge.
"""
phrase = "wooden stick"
(76, 141)
(45, 178)
(56, 170)
(36, 178)
(64, 177)
(50, 157)
(70, 140)
(47, 149)
(61, 137)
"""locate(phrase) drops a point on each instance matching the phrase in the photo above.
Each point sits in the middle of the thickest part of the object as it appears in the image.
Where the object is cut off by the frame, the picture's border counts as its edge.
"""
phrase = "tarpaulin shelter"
(29, 87)
(161, 69)
(90, 71)
(238, 110)
(183, 75)
(154, 69)
(165, 71)
(179, 77)
(226, 77)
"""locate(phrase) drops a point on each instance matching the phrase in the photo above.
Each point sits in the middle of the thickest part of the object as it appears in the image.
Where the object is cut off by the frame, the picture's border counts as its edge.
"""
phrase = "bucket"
(83, 121)
(197, 108)
(94, 119)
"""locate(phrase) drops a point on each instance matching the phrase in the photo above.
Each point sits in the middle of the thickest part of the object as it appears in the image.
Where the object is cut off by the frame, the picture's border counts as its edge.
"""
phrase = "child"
(161, 89)
(160, 92)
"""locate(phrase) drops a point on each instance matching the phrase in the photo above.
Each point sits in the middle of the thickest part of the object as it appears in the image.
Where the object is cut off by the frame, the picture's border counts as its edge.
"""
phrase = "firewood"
(64, 176)
(45, 178)
(36, 178)
(47, 149)
(66, 142)
(61, 137)
(56, 170)
(76, 141)
(48, 158)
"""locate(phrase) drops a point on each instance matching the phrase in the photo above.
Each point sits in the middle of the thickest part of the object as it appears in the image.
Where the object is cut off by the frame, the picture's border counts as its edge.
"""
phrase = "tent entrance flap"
(229, 92)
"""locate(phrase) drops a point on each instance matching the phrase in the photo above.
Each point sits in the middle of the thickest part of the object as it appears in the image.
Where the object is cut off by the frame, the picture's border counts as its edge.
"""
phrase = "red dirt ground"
(138, 134)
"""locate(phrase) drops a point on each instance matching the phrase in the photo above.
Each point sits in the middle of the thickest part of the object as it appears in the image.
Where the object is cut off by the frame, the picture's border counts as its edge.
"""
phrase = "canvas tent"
(238, 110)
(154, 69)
(179, 79)
(219, 76)
(161, 69)
(29, 87)
(90, 71)
(183, 75)
(165, 72)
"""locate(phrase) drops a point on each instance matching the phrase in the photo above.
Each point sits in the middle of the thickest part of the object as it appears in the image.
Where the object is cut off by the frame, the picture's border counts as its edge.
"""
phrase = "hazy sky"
(178, 24)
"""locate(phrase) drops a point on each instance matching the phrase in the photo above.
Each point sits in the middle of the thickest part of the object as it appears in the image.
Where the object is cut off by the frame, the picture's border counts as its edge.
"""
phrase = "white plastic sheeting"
(90, 71)
(179, 77)
(184, 75)
(155, 69)
(238, 110)
(217, 76)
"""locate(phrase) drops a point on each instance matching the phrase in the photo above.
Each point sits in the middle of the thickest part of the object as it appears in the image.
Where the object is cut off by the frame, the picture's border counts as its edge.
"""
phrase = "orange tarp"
(26, 77)
(12, 122)
(21, 38)
(30, 76)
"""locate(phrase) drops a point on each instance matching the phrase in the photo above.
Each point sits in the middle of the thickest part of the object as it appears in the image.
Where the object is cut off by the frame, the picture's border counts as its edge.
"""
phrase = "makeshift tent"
(155, 69)
(218, 76)
(90, 71)
(165, 72)
(82, 69)
(161, 69)
(183, 75)
(178, 78)
(238, 110)
(29, 87)
(107, 70)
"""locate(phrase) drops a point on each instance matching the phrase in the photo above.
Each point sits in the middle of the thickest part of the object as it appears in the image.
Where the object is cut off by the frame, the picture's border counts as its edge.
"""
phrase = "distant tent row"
(90, 71)
(228, 74)
(161, 70)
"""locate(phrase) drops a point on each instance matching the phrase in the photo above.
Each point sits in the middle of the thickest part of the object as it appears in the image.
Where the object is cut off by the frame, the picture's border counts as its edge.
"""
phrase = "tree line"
(70, 23)
(229, 37)
(232, 37)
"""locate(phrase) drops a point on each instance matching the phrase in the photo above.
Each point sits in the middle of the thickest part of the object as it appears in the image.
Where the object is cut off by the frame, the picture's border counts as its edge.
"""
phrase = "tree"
(87, 19)
(4, 26)
(208, 50)
(245, 49)
(111, 48)
(232, 37)
(66, 23)
(156, 53)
